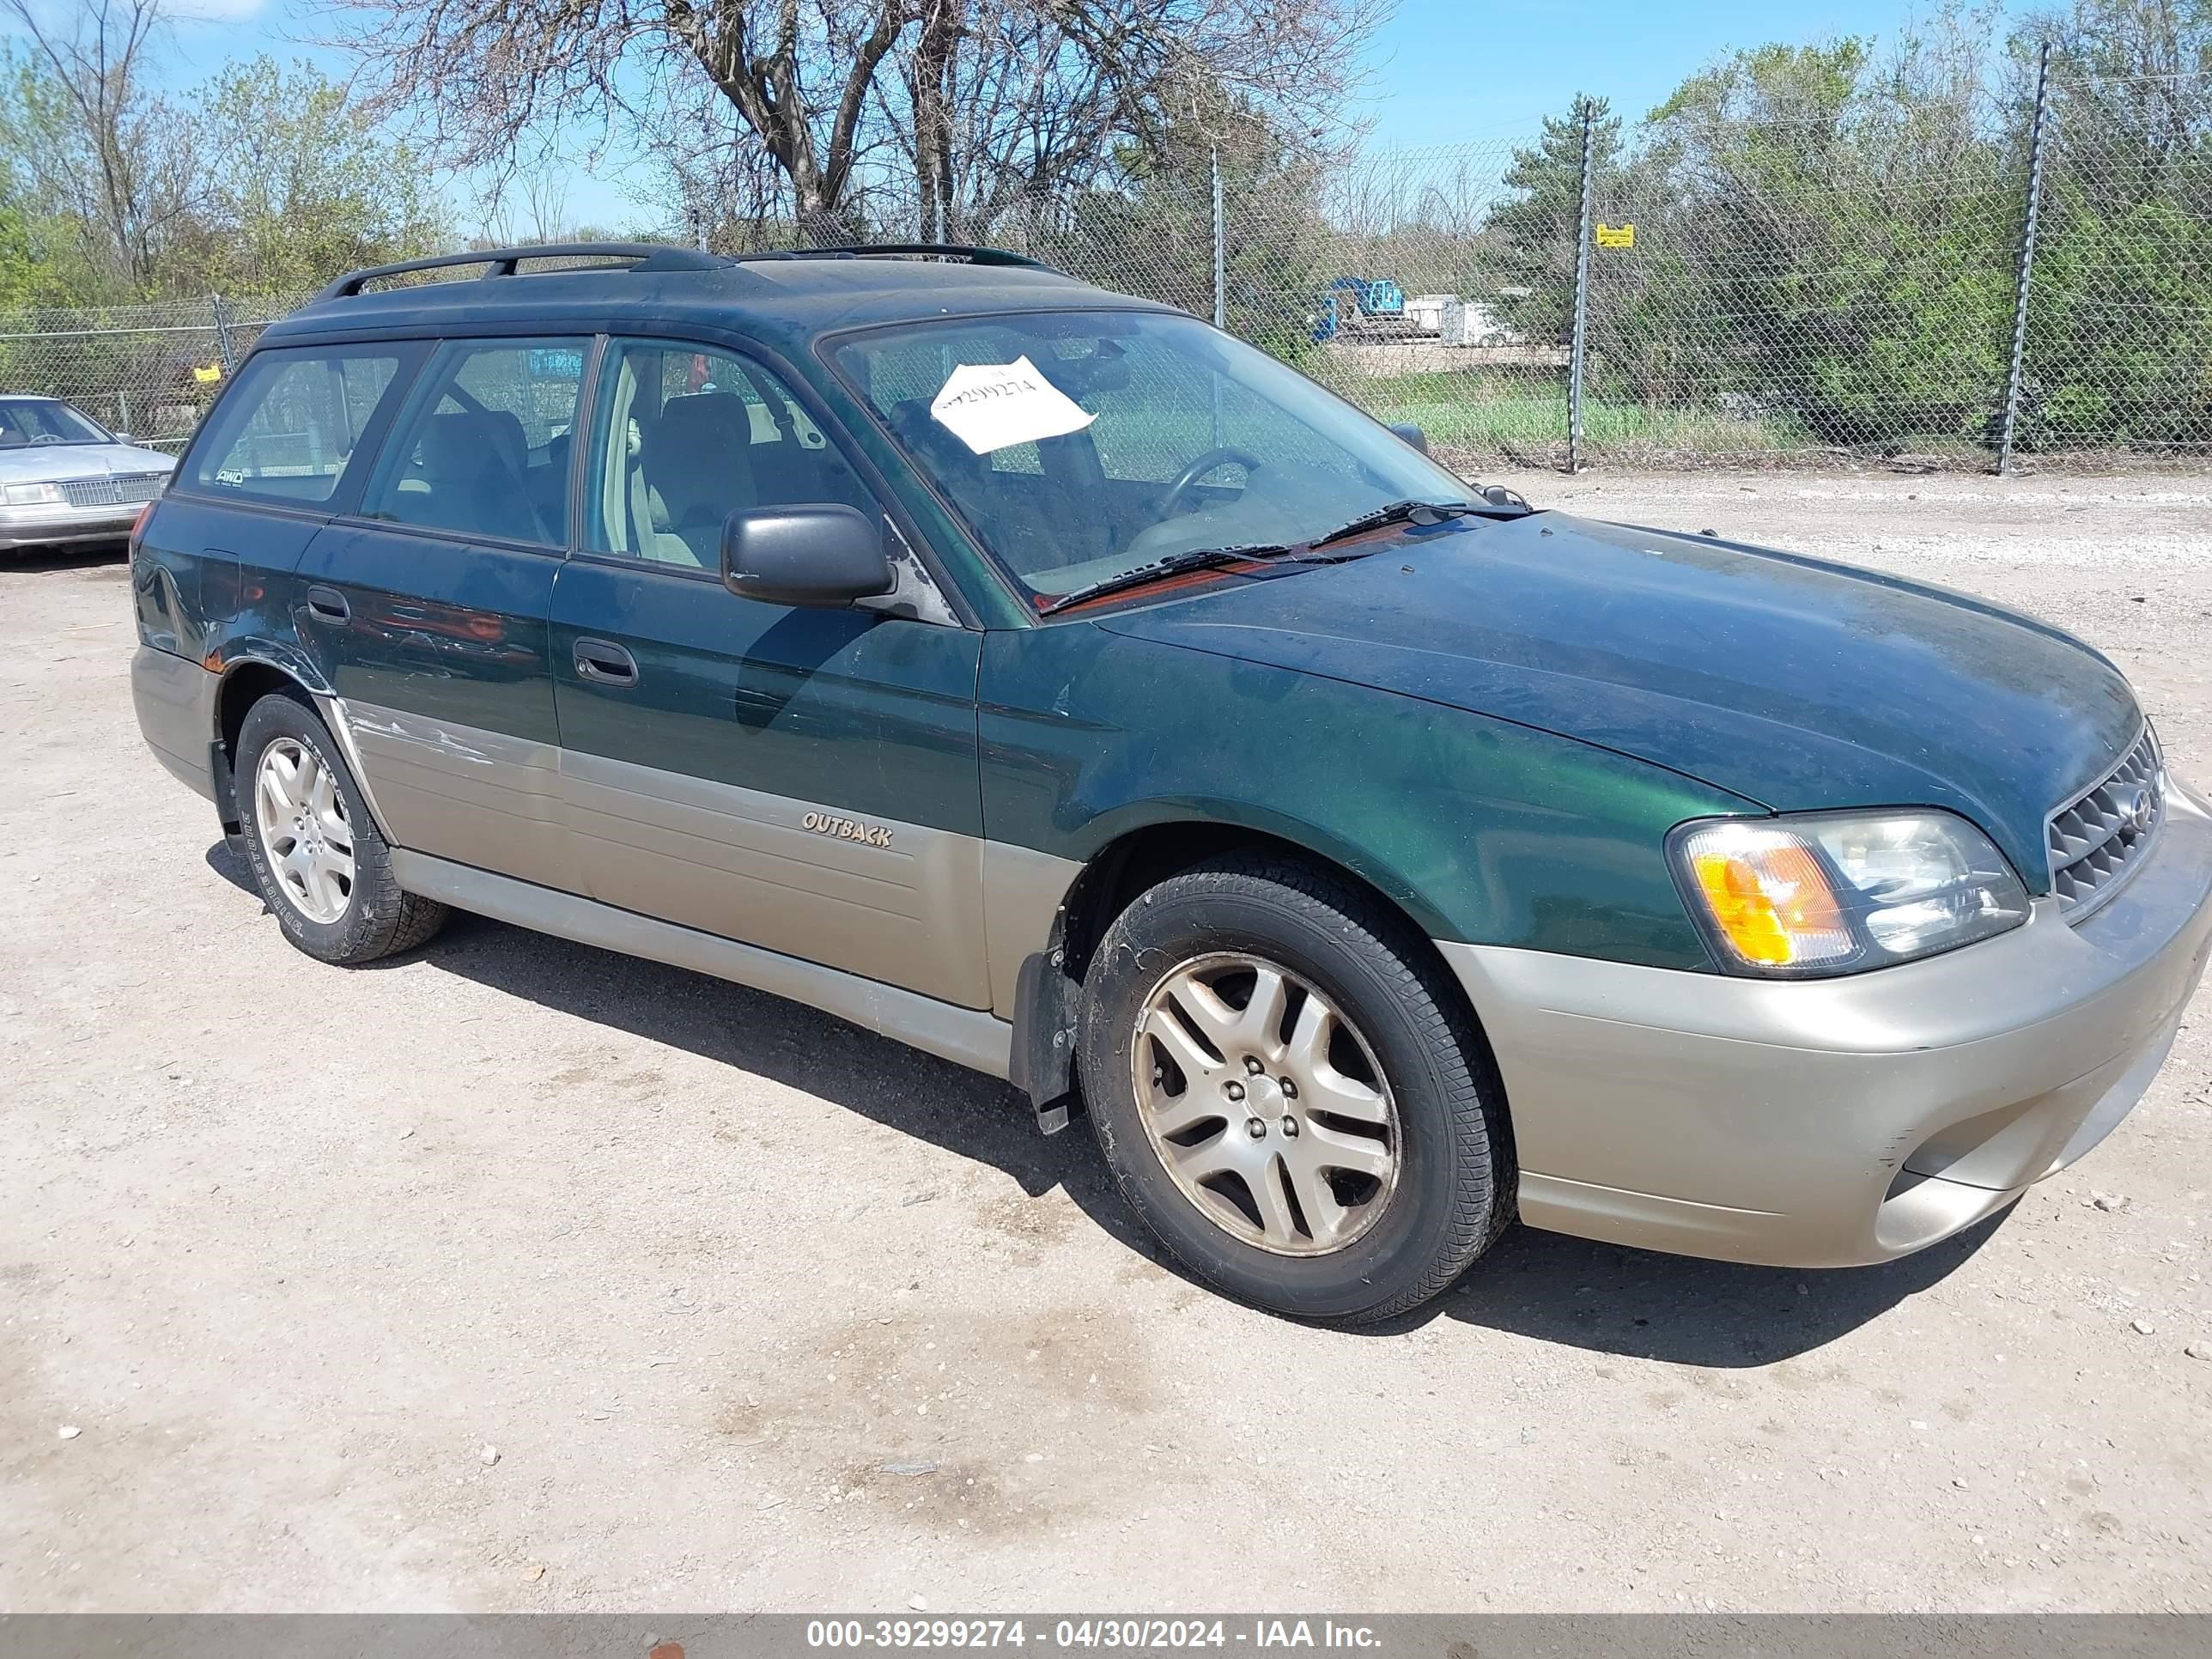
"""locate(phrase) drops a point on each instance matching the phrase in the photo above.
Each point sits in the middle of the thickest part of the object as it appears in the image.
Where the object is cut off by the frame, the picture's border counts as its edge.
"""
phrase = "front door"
(427, 608)
(804, 781)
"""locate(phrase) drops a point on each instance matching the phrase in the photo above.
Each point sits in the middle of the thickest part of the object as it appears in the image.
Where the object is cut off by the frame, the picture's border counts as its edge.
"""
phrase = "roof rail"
(974, 256)
(502, 261)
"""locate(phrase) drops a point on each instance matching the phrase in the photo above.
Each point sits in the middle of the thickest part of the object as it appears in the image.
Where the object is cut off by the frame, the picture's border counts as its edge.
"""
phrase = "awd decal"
(826, 824)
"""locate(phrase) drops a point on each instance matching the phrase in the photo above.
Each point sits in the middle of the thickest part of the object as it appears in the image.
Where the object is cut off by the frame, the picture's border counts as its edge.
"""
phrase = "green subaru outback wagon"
(1046, 680)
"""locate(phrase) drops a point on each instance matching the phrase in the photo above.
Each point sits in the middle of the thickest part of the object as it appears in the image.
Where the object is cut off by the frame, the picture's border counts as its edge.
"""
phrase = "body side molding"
(967, 1036)
(464, 793)
(889, 899)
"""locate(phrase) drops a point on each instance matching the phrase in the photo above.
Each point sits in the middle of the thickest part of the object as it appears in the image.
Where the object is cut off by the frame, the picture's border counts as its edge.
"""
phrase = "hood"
(1792, 682)
(52, 463)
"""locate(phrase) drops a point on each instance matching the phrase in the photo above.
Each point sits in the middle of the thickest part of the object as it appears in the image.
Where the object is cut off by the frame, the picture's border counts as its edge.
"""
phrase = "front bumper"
(56, 524)
(1829, 1123)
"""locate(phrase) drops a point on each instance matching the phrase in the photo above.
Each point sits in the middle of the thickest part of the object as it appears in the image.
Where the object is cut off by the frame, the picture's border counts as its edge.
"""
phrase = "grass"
(1520, 415)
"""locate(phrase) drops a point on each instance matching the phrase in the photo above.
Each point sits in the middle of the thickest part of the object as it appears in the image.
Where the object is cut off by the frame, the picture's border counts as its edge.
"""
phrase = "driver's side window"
(686, 435)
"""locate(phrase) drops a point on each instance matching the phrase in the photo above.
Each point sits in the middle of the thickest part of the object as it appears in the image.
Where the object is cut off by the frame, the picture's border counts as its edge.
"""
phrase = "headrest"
(930, 438)
(466, 444)
(704, 419)
(700, 455)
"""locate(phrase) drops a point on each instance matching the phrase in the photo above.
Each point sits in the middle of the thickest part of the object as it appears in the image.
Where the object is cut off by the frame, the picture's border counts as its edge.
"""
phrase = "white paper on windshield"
(990, 405)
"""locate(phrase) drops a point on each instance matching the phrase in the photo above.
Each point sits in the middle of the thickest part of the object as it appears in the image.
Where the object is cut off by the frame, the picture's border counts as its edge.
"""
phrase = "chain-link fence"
(2118, 334)
(2009, 278)
(149, 371)
(2013, 277)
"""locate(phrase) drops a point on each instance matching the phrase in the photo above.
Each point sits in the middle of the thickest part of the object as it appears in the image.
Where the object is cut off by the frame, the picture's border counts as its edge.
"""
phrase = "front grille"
(124, 490)
(2098, 838)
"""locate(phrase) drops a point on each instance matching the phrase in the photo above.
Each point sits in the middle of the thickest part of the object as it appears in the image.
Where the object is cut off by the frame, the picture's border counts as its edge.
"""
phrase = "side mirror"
(1413, 435)
(823, 557)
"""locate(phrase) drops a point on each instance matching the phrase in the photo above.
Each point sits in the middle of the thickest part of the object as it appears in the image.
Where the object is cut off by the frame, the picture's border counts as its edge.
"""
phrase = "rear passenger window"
(482, 447)
(288, 426)
(686, 436)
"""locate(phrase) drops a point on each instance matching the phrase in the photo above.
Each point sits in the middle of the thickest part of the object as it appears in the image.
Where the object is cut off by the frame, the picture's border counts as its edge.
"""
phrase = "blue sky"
(1447, 70)
(1444, 70)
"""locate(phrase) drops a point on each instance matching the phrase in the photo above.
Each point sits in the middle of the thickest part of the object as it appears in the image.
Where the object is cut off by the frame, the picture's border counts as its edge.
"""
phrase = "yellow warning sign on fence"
(1616, 235)
(207, 373)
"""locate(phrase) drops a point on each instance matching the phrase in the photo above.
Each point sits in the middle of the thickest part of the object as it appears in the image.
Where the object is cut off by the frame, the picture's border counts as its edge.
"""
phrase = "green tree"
(91, 151)
(1538, 228)
(2119, 347)
(1831, 237)
(1150, 230)
(262, 180)
(297, 184)
(19, 266)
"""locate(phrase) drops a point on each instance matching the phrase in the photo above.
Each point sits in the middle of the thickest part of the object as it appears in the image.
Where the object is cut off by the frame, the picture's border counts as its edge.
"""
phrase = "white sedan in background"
(66, 479)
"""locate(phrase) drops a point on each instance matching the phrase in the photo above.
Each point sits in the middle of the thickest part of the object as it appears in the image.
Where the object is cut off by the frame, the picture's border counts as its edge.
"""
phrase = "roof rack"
(974, 256)
(648, 257)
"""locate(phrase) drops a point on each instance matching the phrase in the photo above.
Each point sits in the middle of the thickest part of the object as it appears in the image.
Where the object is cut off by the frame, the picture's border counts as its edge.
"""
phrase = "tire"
(375, 918)
(1428, 1178)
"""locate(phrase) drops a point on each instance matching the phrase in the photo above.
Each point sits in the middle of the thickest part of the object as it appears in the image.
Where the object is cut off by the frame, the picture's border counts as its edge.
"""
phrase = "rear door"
(275, 461)
(426, 607)
(802, 780)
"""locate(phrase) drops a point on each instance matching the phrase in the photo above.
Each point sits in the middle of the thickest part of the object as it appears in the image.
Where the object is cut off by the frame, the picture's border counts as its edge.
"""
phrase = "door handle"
(607, 663)
(328, 603)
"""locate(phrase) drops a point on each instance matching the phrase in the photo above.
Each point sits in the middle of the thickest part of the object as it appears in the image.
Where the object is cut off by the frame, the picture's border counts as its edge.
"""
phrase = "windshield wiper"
(1496, 501)
(1175, 564)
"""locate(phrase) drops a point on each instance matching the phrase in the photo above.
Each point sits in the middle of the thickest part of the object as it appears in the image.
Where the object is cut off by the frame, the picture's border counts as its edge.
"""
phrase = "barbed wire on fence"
(1762, 288)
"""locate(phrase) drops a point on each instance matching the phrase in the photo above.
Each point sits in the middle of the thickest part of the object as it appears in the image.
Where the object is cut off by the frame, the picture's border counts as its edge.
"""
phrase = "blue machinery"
(1348, 299)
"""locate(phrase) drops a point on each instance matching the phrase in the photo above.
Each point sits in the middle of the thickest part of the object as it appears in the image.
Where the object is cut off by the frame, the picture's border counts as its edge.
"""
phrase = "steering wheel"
(1170, 500)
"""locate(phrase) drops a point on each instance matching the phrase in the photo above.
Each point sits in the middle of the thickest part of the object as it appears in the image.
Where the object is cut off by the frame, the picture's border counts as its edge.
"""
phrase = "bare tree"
(974, 101)
(103, 148)
(527, 203)
(729, 196)
(2133, 82)
(545, 193)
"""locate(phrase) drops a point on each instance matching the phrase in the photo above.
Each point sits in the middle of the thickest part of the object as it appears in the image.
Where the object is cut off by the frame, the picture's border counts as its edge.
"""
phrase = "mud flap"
(226, 792)
(1041, 1063)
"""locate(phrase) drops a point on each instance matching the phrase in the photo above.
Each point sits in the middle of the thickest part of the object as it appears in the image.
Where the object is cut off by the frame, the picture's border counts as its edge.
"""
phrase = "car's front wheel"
(323, 869)
(1289, 1093)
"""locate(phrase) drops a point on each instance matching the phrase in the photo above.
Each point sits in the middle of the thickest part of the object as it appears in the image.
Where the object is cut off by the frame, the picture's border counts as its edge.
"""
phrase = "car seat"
(698, 461)
(472, 463)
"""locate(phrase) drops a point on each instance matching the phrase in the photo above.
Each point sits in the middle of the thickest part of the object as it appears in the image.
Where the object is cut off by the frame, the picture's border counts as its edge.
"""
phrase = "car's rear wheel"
(323, 869)
(1291, 1094)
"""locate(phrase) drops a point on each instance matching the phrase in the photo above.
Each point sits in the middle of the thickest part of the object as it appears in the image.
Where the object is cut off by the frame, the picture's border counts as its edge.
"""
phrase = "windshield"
(1081, 445)
(27, 420)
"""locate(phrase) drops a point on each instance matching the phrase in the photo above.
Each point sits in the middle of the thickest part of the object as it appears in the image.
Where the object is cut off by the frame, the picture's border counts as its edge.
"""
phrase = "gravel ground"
(516, 1275)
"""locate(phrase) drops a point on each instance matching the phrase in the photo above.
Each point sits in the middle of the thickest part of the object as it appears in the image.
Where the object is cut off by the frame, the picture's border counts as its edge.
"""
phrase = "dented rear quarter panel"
(216, 585)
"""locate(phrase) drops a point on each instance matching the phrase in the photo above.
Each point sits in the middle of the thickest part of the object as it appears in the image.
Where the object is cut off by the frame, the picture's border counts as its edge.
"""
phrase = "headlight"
(34, 494)
(1840, 892)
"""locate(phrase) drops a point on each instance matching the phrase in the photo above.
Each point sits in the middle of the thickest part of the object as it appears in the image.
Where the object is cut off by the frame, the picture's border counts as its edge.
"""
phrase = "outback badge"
(829, 823)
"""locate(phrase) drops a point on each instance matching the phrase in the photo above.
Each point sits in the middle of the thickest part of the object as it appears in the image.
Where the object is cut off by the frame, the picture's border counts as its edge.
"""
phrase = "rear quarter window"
(287, 429)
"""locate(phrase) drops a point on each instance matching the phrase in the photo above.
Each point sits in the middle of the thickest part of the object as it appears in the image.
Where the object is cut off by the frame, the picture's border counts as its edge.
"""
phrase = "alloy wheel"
(1265, 1105)
(301, 818)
